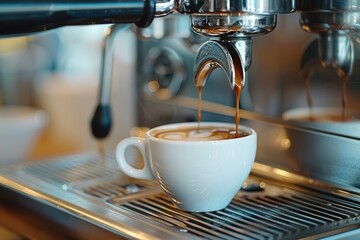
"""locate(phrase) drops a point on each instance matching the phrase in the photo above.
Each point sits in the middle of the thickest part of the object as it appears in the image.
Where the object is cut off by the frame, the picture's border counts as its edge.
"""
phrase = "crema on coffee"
(194, 134)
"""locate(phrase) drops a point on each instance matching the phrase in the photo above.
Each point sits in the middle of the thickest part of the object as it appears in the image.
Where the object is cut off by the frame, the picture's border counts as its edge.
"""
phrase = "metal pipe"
(102, 119)
(24, 16)
(101, 122)
(164, 7)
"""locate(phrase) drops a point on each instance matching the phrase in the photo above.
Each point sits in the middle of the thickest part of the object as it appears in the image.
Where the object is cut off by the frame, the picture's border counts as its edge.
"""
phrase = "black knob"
(101, 121)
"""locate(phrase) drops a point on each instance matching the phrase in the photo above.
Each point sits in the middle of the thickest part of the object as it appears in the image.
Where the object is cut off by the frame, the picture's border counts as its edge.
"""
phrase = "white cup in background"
(20, 127)
(327, 119)
(330, 148)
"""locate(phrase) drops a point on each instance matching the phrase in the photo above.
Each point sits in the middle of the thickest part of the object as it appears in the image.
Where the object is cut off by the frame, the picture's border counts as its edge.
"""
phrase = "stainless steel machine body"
(297, 189)
(275, 84)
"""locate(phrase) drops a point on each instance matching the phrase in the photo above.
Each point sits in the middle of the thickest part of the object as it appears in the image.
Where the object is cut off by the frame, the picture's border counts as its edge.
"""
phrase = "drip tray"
(92, 189)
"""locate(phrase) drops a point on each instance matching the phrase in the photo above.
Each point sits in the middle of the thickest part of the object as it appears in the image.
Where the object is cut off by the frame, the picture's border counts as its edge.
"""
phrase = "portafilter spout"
(234, 22)
(331, 50)
(336, 50)
(224, 55)
(334, 21)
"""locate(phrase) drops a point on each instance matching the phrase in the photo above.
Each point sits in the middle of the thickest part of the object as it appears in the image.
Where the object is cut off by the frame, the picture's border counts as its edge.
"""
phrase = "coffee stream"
(344, 80)
(199, 106)
(237, 90)
(309, 98)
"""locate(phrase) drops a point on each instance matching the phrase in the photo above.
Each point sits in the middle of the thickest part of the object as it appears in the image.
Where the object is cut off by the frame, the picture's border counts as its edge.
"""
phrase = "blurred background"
(59, 72)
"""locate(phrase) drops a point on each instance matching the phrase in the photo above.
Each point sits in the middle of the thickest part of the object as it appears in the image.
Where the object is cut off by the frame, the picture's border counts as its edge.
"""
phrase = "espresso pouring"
(237, 90)
(341, 117)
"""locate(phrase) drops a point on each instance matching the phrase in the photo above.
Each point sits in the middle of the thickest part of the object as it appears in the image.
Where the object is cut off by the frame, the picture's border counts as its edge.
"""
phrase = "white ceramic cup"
(197, 176)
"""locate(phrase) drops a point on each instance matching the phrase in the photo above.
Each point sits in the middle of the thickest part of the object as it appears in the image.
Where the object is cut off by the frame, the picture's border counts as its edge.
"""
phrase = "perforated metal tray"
(274, 205)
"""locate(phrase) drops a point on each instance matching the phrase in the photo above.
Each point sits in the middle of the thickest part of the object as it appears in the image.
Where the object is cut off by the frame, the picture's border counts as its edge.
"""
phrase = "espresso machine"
(305, 183)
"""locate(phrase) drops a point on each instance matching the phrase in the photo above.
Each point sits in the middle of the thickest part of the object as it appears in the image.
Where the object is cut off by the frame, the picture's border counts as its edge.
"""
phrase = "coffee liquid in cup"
(209, 133)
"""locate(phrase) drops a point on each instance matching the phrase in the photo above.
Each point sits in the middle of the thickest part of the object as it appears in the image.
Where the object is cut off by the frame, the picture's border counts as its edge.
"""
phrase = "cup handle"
(138, 143)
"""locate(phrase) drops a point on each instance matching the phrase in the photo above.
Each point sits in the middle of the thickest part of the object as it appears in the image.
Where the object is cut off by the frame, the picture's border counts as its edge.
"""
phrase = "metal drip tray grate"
(281, 213)
(90, 185)
(116, 189)
(72, 169)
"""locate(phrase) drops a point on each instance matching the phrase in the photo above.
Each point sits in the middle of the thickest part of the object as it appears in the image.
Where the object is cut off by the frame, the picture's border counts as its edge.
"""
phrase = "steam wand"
(102, 120)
